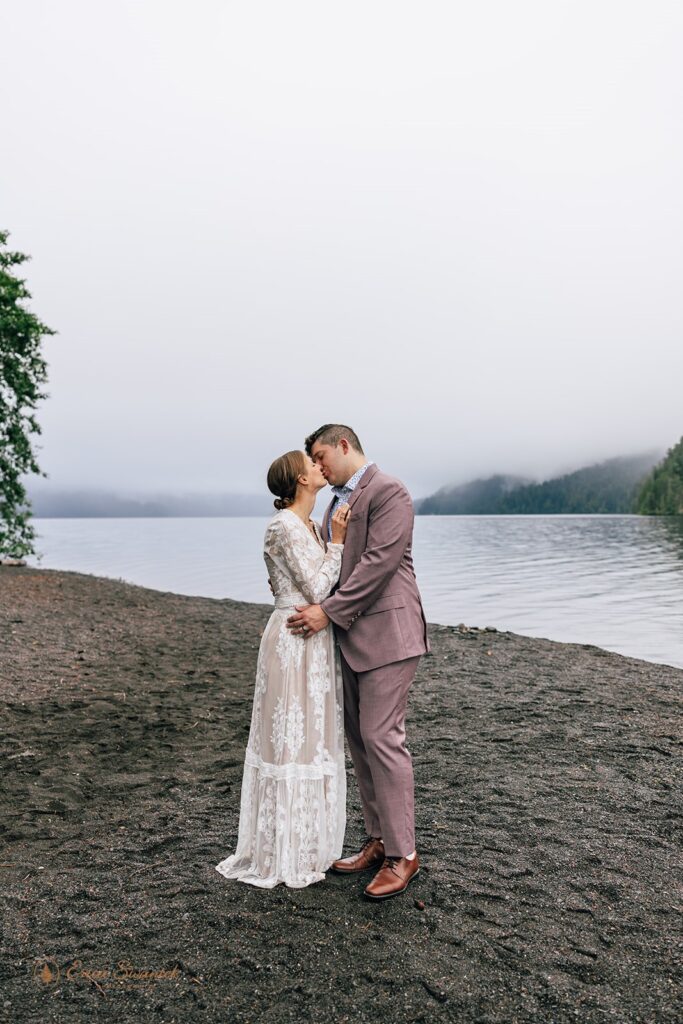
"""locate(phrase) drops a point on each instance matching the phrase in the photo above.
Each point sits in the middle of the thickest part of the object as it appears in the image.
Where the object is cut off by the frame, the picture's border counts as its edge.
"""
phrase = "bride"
(293, 802)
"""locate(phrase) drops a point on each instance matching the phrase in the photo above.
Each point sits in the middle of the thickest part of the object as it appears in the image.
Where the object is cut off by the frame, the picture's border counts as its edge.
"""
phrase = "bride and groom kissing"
(339, 652)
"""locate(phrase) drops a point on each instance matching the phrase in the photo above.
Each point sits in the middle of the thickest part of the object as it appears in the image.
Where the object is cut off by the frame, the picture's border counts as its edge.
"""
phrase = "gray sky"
(455, 226)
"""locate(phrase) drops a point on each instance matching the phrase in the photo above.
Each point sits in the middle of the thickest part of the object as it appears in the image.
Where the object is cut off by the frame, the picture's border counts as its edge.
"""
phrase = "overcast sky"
(455, 226)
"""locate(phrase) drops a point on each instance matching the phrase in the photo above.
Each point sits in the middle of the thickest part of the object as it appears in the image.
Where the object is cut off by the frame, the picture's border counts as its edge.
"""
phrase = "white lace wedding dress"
(293, 802)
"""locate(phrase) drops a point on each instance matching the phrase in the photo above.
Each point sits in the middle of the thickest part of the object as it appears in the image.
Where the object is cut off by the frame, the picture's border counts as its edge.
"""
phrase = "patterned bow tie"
(341, 492)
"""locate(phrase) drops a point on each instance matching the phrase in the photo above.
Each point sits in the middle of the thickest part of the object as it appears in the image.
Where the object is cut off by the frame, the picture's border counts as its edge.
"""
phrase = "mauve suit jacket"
(376, 607)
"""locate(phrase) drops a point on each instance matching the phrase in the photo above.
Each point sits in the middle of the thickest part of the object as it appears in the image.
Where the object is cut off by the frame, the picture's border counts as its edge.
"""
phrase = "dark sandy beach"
(549, 814)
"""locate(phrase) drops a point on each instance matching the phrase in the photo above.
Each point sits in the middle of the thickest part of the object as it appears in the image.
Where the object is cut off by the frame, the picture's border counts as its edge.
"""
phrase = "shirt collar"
(351, 483)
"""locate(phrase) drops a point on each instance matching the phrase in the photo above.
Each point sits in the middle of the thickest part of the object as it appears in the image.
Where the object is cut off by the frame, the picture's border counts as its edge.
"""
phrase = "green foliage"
(477, 498)
(608, 487)
(662, 491)
(23, 371)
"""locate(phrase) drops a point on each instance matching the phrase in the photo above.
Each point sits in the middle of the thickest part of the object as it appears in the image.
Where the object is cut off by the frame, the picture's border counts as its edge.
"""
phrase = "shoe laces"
(391, 862)
(369, 840)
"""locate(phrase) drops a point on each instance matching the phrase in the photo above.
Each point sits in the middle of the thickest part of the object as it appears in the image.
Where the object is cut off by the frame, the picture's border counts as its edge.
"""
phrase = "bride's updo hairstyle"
(283, 475)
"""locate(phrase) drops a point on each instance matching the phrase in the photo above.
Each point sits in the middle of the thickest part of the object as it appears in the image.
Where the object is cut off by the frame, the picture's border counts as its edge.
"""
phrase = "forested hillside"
(662, 492)
(612, 486)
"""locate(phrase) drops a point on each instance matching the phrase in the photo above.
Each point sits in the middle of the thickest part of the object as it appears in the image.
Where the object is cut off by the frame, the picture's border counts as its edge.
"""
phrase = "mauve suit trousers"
(374, 720)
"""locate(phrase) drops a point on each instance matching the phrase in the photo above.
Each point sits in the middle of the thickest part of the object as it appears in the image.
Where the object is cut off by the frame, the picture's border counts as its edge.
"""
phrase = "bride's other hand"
(340, 520)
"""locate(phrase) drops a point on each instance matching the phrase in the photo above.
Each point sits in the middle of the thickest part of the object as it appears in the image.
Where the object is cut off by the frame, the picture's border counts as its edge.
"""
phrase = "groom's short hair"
(332, 433)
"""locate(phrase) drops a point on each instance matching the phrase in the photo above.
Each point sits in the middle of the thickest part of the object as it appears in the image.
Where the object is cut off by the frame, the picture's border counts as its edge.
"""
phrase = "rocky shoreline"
(549, 814)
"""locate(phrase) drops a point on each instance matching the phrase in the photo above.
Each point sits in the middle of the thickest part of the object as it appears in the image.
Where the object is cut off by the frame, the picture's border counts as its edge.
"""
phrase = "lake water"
(613, 581)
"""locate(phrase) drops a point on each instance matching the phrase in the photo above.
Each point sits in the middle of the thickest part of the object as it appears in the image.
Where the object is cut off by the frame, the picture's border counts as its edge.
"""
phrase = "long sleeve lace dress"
(293, 801)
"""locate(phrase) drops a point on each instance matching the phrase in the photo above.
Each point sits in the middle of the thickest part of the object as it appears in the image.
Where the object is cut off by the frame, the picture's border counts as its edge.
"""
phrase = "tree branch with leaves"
(23, 372)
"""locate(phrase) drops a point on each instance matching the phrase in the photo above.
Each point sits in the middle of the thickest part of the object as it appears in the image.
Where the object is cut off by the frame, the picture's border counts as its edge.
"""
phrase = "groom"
(381, 629)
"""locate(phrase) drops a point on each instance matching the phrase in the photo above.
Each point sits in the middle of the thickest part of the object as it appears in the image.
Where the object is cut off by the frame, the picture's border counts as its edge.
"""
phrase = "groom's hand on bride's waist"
(309, 619)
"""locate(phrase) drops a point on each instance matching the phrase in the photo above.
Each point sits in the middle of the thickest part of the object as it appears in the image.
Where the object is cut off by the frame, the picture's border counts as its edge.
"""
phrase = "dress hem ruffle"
(247, 875)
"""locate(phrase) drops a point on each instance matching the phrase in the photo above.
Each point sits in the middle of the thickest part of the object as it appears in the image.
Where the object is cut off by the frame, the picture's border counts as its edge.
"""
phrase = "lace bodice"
(300, 570)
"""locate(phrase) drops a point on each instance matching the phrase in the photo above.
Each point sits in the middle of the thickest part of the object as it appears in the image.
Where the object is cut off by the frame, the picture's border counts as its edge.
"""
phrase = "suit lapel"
(363, 482)
(326, 519)
(354, 496)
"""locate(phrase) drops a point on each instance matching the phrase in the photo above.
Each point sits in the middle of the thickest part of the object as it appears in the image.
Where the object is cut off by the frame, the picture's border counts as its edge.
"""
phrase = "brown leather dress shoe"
(393, 877)
(370, 855)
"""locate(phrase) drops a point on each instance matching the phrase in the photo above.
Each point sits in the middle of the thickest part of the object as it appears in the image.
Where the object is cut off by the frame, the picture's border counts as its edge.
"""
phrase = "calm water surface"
(614, 581)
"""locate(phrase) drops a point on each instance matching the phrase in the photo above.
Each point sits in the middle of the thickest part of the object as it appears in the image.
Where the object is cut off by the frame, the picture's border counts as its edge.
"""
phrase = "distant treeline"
(645, 484)
(607, 487)
(62, 504)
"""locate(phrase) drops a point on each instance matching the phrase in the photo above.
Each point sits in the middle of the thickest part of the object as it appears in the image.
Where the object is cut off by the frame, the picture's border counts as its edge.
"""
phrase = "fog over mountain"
(50, 502)
(610, 487)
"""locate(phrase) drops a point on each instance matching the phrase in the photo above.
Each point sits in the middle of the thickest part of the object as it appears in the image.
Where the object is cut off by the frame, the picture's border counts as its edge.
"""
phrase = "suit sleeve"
(390, 527)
